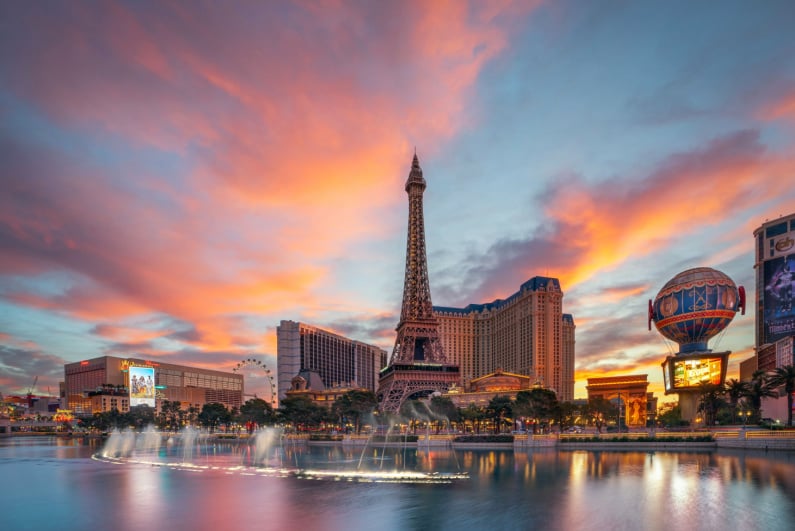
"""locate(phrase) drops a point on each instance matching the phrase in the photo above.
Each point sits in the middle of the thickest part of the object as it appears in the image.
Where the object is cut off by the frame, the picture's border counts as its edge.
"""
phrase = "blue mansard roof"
(534, 284)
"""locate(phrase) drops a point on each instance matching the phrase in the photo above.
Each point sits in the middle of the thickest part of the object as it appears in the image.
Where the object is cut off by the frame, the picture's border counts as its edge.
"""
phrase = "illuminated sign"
(688, 373)
(779, 285)
(63, 415)
(142, 386)
(785, 244)
(126, 364)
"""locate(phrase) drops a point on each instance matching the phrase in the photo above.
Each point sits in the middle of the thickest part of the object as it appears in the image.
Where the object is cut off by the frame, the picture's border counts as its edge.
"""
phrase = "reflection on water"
(55, 484)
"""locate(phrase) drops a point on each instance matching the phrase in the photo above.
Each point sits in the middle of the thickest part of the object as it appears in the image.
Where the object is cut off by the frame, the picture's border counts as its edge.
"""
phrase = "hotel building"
(525, 334)
(100, 384)
(340, 362)
(775, 279)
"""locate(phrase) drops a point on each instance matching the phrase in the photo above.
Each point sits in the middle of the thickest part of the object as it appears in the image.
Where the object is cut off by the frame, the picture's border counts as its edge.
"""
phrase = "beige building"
(310, 385)
(483, 389)
(526, 334)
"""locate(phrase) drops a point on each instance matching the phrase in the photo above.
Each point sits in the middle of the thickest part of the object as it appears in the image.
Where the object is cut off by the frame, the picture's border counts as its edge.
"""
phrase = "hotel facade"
(108, 382)
(526, 334)
(775, 281)
(341, 362)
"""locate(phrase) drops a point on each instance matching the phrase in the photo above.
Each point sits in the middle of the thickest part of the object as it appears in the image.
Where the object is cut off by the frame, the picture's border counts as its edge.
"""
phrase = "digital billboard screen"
(687, 373)
(779, 313)
(142, 386)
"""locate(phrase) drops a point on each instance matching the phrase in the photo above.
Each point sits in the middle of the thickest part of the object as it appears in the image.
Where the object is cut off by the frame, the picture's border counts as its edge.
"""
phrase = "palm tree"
(710, 401)
(758, 389)
(735, 390)
(784, 376)
(499, 408)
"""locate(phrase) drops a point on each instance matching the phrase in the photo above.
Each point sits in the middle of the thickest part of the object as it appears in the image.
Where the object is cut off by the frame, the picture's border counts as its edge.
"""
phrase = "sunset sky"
(177, 177)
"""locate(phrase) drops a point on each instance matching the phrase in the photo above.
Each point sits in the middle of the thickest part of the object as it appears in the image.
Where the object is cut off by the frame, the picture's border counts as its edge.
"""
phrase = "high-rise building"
(526, 334)
(418, 365)
(338, 360)
(775, 280)
(109, 376)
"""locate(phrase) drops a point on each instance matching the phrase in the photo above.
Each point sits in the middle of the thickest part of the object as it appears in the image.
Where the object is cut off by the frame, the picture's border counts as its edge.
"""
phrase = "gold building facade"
(526, 334)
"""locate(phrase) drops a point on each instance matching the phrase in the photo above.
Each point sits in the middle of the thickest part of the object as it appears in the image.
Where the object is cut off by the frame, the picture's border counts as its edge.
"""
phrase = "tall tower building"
(527, 334)
(337, 359)
(775, 282)
(418, 365)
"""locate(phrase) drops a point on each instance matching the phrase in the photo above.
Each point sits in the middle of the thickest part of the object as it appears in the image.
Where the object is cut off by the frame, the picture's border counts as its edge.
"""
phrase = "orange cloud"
(718, 178)
(778, 109)
(289, 141)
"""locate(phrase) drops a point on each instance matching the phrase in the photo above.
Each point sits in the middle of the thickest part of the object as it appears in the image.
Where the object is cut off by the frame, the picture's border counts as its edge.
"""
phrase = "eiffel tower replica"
(418, 366)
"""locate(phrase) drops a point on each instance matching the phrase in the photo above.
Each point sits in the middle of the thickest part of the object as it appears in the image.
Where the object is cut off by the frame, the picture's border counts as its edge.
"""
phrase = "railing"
(770, 434)
(660, 435)
(726, 434)
(671, 434)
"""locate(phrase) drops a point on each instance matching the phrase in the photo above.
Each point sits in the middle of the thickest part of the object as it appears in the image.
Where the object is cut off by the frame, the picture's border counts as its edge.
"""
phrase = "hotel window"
(776, 230)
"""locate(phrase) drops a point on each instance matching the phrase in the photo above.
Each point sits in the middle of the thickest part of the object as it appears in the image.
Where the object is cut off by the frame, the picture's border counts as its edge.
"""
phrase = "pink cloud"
(282, 130)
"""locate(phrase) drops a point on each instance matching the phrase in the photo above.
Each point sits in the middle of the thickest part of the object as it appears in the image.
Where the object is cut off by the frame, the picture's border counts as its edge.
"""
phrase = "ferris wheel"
(256, 369)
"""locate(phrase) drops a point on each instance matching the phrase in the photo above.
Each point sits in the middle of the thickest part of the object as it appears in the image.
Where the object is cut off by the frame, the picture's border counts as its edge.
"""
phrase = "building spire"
(418, 365)
(415, 175)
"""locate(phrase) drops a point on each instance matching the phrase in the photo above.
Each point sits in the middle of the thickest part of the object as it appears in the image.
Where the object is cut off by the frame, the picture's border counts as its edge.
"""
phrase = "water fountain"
(263, 454)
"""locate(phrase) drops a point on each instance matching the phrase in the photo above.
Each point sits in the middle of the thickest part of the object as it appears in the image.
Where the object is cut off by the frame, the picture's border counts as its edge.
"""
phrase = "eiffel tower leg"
(393, 396)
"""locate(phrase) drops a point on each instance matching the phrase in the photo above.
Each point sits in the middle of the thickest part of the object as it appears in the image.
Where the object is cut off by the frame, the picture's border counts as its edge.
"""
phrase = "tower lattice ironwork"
(418, 365)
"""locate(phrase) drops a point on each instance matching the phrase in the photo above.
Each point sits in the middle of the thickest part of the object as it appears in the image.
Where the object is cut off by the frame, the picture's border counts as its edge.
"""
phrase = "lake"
(53, 483)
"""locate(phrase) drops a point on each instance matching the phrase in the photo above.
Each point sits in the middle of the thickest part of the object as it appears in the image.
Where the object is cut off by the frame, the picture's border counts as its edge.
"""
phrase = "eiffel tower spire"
(417, 304)
(418, 365)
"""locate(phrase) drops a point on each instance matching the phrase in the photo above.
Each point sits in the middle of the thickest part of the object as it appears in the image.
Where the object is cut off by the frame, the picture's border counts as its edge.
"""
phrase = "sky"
(178, 177)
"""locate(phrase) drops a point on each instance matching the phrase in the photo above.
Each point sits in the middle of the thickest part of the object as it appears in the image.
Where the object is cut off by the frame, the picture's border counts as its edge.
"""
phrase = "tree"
(474, 415)
(758, 389)
(171, 415)
(566, 414)
(140, 416)
(257, 412)
(784, 377)
(301, 411)
(670, 414)
(213, 415)
(192, 415)
(735, 391)
(355, 405)
(710, 401)
(444, 411)
(500, 407)
(600, 409)
(538, 404)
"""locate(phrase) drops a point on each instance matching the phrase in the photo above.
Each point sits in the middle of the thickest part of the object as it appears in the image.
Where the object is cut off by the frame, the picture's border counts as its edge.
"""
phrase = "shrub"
(324, 437)
(484, 439)
(394, 438)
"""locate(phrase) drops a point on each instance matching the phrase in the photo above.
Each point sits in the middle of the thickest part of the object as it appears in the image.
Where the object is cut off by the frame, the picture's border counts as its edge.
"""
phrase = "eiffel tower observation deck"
(418, 366)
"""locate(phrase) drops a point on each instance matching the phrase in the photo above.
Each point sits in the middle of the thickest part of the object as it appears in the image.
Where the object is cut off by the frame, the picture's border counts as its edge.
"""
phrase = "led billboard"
(779, 315)
(680, 373)
(142, 386)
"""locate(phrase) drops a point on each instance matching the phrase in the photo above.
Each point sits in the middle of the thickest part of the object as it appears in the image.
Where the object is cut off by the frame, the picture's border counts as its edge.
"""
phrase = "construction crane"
(30, 391)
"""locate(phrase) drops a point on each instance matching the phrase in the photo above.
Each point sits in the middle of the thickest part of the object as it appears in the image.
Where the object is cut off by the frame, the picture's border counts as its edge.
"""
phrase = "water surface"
(54, 484)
